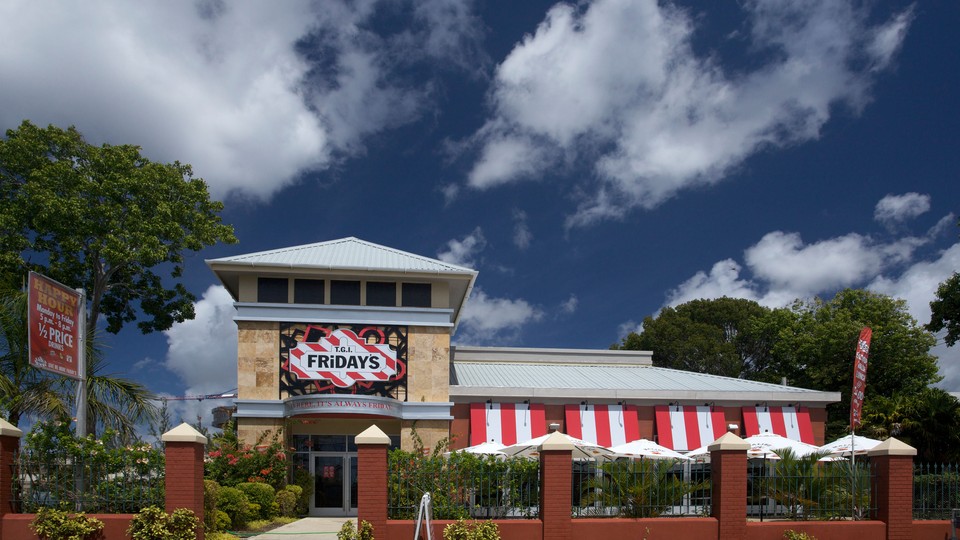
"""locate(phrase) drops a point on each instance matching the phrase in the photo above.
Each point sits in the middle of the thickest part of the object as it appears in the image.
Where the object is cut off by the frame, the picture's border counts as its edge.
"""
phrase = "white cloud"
(625, 328)
(203, 353)
(723, 280)
(569, 306)
(488, 320)
(463, 252)
(251, 94)
(621, 76)
(521, 231)
(894, 209)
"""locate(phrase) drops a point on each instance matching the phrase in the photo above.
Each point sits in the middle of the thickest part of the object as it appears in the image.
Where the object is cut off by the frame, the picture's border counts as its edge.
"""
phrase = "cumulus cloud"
(203, 353)
(463, 252)
(569, 306)
(488, 320)
(894, 209)
(251, 94)
(616, 83)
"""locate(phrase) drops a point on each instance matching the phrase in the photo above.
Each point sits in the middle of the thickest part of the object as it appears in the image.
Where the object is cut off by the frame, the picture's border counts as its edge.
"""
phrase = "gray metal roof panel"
(606, 377)
(346, 253)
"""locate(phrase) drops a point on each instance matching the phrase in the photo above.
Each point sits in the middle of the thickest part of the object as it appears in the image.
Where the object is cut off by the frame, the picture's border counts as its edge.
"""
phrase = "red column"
(893, 462)
(556, 464)
(9, 443)
(183, 447)
(372, 447)
(728, 463)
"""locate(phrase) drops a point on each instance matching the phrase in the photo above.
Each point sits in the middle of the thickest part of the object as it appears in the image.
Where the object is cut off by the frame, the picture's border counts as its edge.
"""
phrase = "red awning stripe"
(506, 423)
(688, 427)
(606, 425)
(790, 422)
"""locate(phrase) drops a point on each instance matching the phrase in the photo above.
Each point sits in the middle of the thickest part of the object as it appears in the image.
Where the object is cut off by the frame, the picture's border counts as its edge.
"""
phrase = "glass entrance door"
(335, 484)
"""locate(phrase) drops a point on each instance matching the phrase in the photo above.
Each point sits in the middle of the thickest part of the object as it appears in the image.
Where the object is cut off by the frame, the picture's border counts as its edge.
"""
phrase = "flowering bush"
(229, 463)
(99, 474)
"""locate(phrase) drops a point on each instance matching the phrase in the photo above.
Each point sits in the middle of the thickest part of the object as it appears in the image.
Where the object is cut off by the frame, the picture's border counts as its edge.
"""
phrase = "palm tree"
(23, 388)
(112, 402)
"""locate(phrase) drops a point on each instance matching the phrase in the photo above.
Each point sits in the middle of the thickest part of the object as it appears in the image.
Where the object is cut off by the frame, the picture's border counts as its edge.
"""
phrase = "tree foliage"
(723, 336)
(104, 218)
(945, 310)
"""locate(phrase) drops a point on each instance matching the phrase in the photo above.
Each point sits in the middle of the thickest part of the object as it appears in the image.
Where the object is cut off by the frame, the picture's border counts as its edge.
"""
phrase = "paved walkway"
(311, 528)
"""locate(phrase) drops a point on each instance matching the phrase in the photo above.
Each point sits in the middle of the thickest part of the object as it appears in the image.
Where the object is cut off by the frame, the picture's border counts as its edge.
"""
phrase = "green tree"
(723, 336)
(815, 349)
(945, 310)
(104, 218)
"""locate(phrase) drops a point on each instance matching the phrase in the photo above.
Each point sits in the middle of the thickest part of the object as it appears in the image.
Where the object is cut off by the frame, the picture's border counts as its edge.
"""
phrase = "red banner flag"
(53, 317)
(859, 376)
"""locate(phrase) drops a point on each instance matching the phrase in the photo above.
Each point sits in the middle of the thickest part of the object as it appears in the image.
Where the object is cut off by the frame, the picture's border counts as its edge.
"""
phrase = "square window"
(308, 291)
(381, 293)
(345, 293)
(272, 290)
(417, 295)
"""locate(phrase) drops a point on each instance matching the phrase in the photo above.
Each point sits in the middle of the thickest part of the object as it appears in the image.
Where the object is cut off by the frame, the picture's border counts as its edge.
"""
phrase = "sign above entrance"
(342, 404)
(343, 359)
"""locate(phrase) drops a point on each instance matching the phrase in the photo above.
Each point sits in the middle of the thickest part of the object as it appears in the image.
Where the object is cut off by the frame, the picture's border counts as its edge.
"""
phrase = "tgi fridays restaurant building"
(339, 335)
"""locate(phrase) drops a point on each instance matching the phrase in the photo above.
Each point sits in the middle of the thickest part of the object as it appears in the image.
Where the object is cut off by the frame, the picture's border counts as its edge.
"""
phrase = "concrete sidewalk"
(314, 528)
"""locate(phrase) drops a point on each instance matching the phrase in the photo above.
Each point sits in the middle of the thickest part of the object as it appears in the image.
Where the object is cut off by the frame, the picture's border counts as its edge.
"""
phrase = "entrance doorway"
(335, 483)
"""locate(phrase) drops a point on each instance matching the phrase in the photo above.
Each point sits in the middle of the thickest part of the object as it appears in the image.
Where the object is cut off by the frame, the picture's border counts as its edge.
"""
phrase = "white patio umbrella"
(644, 448)
(842, 446)
(487, 448)
(702, 454)
(581, 449)
(771, 442)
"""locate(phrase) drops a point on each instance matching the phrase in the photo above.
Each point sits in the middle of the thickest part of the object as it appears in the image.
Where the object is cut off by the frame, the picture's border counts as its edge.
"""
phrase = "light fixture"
(732, 427)
(490, 404)
(554, 427)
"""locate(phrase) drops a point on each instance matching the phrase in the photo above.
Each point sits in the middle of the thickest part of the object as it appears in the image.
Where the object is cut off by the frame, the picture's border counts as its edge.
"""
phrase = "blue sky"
(594, 161)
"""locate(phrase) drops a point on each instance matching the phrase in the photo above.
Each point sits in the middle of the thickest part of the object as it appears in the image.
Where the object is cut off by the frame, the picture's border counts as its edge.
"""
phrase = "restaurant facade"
(336, 336)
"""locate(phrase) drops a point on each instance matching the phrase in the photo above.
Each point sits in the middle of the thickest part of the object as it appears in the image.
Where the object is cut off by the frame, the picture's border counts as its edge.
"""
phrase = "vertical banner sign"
(53, 319)
(859, 376)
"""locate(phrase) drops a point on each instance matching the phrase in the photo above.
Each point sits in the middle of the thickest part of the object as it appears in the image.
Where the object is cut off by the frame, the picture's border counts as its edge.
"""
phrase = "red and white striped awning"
(605, 425)
(790, 422)
(506, 423)
(687, 427)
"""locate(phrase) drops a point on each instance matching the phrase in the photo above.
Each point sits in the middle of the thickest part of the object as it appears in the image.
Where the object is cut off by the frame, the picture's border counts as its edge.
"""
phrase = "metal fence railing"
(645, 488)
(809, 490)
(936, 490)
(115, 485)
(464, 486)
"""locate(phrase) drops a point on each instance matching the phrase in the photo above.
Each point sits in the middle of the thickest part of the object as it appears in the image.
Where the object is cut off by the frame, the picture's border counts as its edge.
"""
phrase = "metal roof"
(545, 379)
(347, 254)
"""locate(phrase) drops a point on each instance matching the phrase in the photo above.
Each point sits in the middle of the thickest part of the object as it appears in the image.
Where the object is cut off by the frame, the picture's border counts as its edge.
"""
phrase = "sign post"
(56, 321)
(856, 406)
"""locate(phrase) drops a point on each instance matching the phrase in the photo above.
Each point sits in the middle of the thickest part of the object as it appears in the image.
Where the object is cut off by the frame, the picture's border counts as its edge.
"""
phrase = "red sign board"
(859, 376)
(53, 319)
(343, 358)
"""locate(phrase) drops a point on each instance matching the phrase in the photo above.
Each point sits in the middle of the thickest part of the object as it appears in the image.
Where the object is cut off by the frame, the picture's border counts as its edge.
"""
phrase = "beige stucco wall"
(430, 432)
(258, 365)
(249, 430)
(428, 354)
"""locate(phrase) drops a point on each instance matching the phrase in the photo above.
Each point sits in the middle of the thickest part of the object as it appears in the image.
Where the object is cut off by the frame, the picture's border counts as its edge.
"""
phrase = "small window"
(380, 293)
(345, 293)
(272, 290)
(308, 291)
(417, 295)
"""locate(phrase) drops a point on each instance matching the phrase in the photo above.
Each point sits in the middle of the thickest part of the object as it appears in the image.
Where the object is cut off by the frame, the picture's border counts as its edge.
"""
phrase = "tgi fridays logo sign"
(343, 359)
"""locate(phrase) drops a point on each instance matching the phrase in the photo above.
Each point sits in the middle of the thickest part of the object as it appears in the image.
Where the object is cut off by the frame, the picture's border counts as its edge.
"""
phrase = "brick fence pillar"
(372, 447)
(556, 476)
(183, 448)
(728, 465)
(893, 463)
(9, 444)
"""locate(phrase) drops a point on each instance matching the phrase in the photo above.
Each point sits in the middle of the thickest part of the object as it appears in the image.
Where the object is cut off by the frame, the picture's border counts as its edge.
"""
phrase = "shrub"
(476, 530)
(349, 531)
(797, 535)
(287, 503)
(230, 463)
(51, 524)
(211, 491)
(152, 523)
(260, 494)
(236, 505)
(222, 520)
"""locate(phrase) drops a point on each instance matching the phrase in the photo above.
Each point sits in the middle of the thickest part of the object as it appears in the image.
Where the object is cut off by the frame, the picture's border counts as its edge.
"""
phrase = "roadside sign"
(54, 322)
